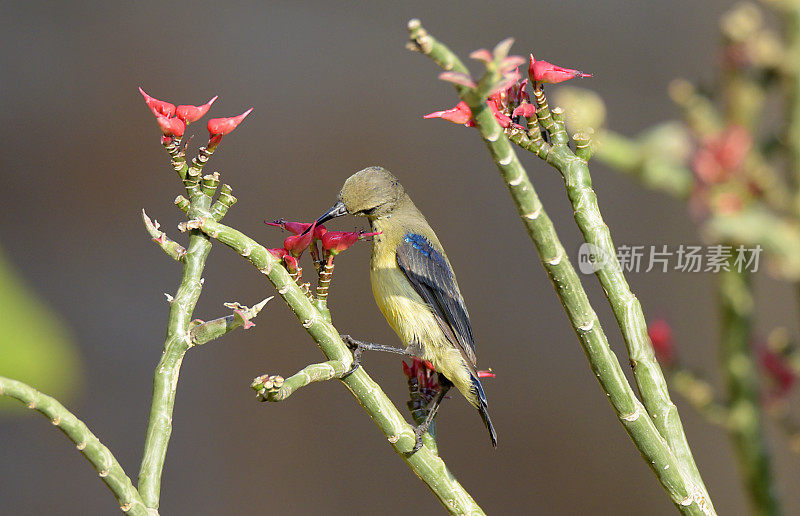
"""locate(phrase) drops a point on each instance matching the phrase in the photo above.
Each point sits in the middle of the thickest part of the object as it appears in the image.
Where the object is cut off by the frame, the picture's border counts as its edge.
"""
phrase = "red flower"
(501, 117)
(337, 241)
(296, 228)
(296, 244)
(171, 126)
(525, 109)
(158, 107)
(291, 263)
(660, 333)
(486, 374)
(424, 372)
(279, 253)
(460, 114)
(190, 114)
(542, 71)
(222, 126)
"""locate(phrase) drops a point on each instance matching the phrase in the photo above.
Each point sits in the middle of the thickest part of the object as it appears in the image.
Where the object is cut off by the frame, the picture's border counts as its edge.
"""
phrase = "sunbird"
(415, 287)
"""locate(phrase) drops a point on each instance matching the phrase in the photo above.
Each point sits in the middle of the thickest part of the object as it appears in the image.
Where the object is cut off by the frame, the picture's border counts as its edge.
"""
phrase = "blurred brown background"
(334, 91)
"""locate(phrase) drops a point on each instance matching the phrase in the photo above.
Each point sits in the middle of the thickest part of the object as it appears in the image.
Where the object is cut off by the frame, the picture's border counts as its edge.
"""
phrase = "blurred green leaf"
(36, 347)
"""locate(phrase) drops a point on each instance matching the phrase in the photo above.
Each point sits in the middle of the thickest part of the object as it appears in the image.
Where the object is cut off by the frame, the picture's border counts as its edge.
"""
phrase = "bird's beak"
(337, 210)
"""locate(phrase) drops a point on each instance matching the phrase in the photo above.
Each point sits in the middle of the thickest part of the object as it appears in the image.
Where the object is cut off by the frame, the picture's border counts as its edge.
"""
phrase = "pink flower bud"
(511, 63)
(291, 263)
(458, 78)
(660, 333)
(158, 107)
(295, 228)
(524, 109)
(296, 244)
(191, 114)
(482, 55)
(171, 126)
(507, 82)
(222, 126)
(542, 71)
(337, 241)
(460, 114)
(501, 117)
(278, 253)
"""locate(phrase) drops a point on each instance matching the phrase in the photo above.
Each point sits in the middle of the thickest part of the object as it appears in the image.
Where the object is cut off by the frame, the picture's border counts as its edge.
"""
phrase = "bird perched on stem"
(414, 286)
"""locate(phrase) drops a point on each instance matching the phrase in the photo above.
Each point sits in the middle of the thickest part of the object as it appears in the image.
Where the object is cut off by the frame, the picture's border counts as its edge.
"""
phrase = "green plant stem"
(171, 248)
(312, 373)
(625, 305)
(741, 374)
(165, 380)
(426, 465)
(178, 340)
(686, 494)
(89, 445)
(210, 330)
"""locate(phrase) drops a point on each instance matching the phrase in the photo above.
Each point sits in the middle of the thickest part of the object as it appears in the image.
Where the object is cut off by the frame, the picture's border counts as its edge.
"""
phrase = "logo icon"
(592, 259)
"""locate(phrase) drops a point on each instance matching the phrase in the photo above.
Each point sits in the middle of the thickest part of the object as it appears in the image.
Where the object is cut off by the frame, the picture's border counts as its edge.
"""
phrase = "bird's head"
(372, 192)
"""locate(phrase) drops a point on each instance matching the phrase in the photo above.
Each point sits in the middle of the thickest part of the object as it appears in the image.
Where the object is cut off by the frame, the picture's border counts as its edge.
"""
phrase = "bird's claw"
(418, 433)
(356, 349)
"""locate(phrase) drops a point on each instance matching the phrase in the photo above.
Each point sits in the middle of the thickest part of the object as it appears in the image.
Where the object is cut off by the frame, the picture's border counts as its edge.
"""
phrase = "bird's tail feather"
(482, 405)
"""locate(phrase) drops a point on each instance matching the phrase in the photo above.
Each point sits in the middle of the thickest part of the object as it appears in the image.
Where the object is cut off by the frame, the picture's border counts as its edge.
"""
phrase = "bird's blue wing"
(433, 279)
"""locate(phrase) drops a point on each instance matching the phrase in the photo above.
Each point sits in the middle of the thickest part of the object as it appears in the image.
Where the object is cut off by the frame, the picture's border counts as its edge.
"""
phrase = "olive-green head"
(371, 192)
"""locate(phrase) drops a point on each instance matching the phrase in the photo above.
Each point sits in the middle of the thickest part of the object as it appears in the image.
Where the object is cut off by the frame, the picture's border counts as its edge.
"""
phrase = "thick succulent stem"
(626, 307)
(275, 388)
(426, 465)
(178, 340)
(90, 446)
(685, 491)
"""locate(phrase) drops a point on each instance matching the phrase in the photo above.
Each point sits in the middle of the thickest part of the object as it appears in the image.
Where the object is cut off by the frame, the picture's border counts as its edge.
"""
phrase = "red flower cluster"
(173, 120)
(425, 375)
(508, 100)
(305, 235)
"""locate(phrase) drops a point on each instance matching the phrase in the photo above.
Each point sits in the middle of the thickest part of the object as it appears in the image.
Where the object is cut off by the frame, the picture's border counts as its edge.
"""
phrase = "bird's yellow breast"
(404, 309)
(413, 320)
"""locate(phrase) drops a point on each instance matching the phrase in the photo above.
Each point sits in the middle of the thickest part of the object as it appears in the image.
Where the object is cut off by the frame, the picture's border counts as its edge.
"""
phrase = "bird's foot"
(356, 350)
(419, 431)
(358, 346)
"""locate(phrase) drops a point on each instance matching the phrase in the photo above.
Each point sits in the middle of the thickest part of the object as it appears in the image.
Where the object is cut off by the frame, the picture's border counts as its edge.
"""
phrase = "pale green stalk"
(90, 446)
(426, 465)
(685, 491)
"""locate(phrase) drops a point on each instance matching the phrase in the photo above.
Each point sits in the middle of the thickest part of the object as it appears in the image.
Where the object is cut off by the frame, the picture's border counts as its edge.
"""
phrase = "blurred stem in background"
(741, 374)
(739, 171)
